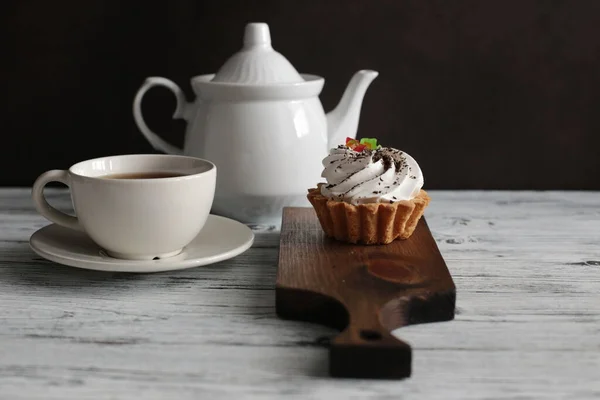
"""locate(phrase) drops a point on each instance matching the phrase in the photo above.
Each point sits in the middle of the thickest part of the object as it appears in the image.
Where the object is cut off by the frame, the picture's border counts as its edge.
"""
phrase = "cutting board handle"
(360, 352)
(366, 348)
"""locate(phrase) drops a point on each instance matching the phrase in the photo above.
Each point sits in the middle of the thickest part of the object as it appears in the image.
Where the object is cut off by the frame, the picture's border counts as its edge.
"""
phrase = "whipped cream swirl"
(371, 176)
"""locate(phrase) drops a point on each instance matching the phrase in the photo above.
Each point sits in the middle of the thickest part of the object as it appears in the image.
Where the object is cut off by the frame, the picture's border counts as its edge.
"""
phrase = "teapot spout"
(342, 121)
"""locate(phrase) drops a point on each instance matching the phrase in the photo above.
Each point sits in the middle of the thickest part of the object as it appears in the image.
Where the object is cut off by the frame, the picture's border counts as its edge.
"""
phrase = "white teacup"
(127, 205)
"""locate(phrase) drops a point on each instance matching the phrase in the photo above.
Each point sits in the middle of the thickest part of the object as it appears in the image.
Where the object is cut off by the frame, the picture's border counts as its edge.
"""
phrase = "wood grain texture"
(526, 266)
(365, 292)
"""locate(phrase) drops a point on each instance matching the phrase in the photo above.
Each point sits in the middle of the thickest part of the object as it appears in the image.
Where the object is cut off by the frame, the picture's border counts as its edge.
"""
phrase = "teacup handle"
(156, 141)
(41, 204)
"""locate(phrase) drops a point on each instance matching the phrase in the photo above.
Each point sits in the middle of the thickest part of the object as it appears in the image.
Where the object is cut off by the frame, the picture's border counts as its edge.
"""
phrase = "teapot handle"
(156, 141)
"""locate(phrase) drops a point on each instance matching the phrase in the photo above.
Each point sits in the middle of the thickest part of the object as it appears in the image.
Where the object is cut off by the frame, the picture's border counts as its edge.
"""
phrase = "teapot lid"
(257, 63)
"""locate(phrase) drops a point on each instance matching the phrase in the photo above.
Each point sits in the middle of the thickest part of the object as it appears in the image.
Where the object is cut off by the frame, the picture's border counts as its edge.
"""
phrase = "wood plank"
(363, 291)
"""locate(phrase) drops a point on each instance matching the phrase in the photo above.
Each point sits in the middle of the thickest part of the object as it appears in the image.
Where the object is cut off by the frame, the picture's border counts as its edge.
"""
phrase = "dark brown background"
(484, 94)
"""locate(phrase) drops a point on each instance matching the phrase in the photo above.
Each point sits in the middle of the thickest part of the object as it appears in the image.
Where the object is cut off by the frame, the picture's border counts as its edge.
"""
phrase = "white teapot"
(262, 124)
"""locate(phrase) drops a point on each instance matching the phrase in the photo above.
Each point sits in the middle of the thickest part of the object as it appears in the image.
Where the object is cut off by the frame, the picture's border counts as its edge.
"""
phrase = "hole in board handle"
(370, 335)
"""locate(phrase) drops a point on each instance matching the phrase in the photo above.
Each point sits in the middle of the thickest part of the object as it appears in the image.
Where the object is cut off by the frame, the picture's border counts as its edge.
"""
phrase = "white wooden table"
(526, 266)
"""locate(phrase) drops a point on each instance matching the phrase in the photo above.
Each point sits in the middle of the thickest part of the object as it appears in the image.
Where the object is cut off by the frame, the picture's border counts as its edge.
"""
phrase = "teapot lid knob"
(257, 34)
(257, 63)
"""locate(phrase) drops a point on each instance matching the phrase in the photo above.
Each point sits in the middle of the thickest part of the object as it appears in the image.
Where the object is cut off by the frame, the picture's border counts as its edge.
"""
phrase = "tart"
(373, 194)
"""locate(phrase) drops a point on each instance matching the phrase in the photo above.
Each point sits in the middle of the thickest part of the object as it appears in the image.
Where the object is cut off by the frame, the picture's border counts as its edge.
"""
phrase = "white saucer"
(220, 239)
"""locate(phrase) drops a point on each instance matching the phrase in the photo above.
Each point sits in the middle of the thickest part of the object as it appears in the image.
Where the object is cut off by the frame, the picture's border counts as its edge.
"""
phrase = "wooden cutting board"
(363, 291)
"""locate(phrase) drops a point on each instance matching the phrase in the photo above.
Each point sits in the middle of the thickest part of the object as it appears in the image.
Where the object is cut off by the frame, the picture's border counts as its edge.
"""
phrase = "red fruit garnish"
(359, 148)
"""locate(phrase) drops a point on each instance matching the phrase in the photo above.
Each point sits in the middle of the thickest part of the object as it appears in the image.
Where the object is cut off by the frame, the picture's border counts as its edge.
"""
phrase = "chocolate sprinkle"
(390, 157)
